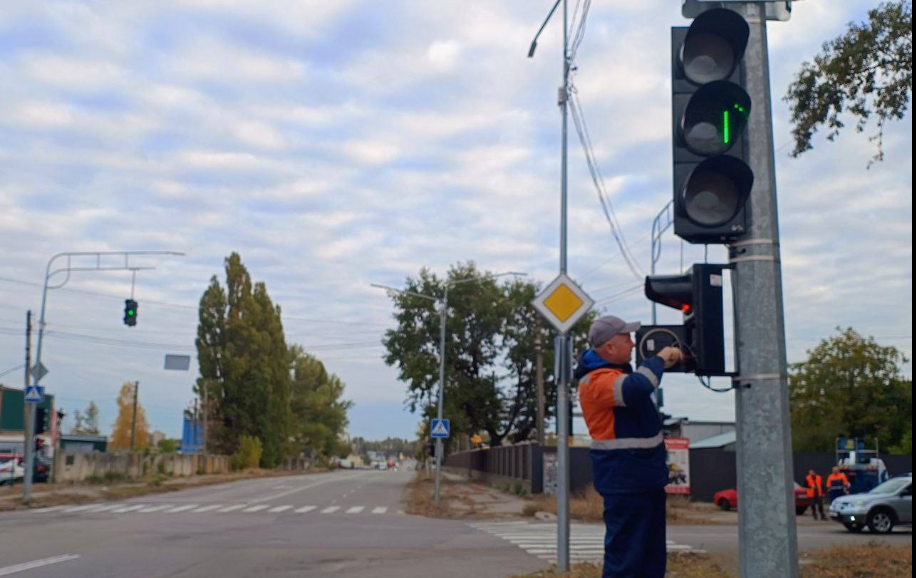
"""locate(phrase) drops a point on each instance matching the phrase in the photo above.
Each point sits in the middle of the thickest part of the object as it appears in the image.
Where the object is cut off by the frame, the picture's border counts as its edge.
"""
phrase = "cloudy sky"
(337, 144)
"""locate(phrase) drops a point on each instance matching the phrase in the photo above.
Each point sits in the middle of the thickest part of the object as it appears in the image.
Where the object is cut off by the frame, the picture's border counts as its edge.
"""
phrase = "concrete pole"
(443, 317)
(29, 414)
(767, 533)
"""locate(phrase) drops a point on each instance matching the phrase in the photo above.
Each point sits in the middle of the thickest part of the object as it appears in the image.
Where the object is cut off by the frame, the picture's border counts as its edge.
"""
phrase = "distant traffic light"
(42, 420)
(39, 445)
(698, 295)
(130, 312)
(712, 180)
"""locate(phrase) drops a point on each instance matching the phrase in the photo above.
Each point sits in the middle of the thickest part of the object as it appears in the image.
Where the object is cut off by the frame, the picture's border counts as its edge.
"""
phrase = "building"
(696, 431)
(12, 422)
(83, 444)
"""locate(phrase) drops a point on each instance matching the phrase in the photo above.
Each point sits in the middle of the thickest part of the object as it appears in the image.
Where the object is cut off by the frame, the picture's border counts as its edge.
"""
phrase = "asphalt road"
(345, 523)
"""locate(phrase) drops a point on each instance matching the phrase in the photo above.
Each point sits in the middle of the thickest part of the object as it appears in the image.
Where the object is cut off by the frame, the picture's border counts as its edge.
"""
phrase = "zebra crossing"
(586, 541)
(238, 508)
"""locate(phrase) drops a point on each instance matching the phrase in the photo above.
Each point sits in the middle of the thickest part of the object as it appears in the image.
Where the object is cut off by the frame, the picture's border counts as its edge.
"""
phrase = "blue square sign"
(439, 429)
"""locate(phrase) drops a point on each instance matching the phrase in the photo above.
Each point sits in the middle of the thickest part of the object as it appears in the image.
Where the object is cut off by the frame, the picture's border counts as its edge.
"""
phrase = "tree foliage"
(86, 422)
(866, 71)
(123, 425)
(252, 383)
(490, 352)
(850, 386)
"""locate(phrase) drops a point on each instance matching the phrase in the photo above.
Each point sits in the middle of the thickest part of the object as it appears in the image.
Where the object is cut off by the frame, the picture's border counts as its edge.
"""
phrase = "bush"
(248, 454)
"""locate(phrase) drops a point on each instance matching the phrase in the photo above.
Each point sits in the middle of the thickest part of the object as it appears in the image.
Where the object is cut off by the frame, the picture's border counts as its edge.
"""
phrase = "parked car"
(886, 506)
(728, 499)
(11, 470)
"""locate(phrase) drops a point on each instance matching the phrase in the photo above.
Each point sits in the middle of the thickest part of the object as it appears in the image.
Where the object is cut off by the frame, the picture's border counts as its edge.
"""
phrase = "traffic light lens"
(714, 117)
(707, 58)
(711, 198)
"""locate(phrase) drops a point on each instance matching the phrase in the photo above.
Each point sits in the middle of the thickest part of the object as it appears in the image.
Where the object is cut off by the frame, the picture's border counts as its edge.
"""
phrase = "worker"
(837, 484)
(816, 493)
(628, 449)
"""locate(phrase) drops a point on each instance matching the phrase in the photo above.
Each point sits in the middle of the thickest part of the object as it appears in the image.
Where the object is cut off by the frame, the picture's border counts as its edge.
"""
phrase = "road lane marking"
(79, 508)
(37, 564)
(156, 508)
(379, 510)
(356, 509)
(334, 478)
(184, 508)
(305, 509)
(233, 508)
(330, 510)
(257, 508)
(129, 509)
(209, 508)
(279, 509)
(105, 508)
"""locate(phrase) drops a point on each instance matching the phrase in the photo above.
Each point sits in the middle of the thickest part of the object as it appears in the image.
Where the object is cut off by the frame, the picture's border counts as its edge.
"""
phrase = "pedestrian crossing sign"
(439, 429)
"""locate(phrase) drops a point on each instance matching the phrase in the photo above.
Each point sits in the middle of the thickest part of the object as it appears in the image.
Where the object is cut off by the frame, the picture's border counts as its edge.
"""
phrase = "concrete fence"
(76, 467)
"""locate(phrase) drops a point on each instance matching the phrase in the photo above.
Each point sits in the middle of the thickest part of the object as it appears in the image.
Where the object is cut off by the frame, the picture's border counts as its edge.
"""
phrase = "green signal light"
(130, 312)
(726, 128)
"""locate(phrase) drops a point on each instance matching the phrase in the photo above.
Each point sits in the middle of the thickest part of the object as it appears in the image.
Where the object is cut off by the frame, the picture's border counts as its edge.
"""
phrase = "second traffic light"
(712, 180)
(699, 295)
(130, 312)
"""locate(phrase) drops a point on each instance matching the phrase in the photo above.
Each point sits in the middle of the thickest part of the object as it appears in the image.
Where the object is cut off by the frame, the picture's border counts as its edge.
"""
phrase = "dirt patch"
(871, 561)
(459, 499)
(45, 495)
(588, 506)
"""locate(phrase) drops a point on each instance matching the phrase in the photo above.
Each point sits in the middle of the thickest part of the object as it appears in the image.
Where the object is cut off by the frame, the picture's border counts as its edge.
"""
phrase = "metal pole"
(767, 533)
(133, 422)
(443, 317)
(30, 414)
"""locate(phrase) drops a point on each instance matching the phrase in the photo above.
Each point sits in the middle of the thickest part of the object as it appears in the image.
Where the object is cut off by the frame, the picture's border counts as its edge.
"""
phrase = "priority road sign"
(38, 371)
(440, 429)
(563, 303)
(34, 393)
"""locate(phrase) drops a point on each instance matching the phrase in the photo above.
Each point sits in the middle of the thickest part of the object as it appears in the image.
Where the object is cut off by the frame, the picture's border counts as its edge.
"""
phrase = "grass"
(419, 500)
(869, 561)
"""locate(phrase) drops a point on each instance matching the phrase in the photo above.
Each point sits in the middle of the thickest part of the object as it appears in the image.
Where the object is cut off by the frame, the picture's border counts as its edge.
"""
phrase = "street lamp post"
(443, 318)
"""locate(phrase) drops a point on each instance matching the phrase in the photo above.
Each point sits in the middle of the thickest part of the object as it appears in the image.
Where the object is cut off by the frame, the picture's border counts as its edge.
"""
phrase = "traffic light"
(698, 295)
(42, 420)
(712, 179)
(39, 445)
(130, 312)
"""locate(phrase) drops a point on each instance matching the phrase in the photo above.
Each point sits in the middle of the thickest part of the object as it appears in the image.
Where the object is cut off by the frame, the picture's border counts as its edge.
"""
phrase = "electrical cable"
(12, 369)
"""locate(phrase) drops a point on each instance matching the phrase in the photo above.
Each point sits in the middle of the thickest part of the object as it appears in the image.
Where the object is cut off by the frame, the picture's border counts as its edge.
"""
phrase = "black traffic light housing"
(42, 420)
(130, 312)
(698, 294)
(710, 105)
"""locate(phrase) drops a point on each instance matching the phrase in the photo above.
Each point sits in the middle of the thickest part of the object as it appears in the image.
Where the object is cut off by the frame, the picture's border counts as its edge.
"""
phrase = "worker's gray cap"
(606, 327)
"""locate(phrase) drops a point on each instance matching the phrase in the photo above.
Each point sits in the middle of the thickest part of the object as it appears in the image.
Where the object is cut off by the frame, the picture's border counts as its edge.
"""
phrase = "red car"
(728, 499)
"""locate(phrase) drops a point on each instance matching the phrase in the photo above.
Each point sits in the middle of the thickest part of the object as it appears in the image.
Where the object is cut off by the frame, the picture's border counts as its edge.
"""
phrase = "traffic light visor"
(716, 190)
(714, 117)
(714, 45)
(671, 290)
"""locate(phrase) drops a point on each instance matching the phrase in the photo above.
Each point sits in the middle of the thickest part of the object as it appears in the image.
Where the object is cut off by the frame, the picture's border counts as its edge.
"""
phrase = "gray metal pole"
(767, 533)
(30, 414)
(565, 362)
(443, 317)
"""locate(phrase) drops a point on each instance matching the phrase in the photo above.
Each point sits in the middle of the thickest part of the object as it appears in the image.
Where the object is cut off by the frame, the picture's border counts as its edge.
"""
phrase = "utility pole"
(539, 379)
(29, 414)
(133, 422)
(768, 544)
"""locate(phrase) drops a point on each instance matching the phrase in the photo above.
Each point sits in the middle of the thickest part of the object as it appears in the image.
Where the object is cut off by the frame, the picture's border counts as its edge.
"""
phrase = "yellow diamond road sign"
(563, 303)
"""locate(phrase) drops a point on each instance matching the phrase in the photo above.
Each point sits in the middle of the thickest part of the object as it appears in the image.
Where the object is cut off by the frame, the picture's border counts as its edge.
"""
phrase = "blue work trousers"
(635, 544)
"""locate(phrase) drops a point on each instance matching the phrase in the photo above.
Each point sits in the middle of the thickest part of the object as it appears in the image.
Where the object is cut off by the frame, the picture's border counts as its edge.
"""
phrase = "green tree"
(490, 355)
(317, 407)
(86, 422)
(866, 71)
(850, 386)
(244, 381)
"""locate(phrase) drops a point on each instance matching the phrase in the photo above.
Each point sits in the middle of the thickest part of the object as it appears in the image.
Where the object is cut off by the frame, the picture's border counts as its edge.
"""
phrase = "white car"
(11, 472)
(886, 506)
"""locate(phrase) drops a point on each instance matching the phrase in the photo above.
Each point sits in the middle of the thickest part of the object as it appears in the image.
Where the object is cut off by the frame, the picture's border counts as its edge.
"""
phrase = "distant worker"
(476, 441)
(837, 484)
(628, 448)
(816, 493)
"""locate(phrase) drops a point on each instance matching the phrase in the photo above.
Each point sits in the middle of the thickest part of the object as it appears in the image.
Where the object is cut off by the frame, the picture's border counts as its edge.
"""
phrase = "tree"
(490, 356)
(124, 424)
(850, 386)
(866, 71)
(86, 422)
(319, 414)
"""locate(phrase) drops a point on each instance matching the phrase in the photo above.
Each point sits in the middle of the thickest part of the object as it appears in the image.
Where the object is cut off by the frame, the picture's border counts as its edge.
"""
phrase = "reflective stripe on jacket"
(627, 450)
(815, 486)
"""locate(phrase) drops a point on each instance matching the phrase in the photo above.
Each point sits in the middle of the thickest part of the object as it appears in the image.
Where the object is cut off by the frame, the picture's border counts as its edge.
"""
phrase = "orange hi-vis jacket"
(837, 481)
(815, 486)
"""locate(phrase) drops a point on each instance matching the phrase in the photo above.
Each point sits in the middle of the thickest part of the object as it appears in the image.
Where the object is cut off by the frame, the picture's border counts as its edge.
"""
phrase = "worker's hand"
(671, 356)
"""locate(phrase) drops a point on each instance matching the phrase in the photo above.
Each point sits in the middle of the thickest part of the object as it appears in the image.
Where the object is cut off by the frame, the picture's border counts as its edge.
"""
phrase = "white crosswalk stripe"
(233, 508)
(257, 508)
(104, 508)
(279, 509)
(79, 508)
(330, 510)
(380, 510)
(129, 508)
(586, 541)
(245, 508)
(209, 508)
(158, 508)
(305, 509)
(356, 509)
(184, 508)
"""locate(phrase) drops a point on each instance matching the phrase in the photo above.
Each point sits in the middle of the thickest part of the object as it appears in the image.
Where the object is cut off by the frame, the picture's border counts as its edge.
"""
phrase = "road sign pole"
(443, 317)
(28, 448)
(767, 532)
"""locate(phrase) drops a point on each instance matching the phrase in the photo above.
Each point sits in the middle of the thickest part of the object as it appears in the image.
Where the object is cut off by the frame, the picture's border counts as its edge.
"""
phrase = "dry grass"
(588, 506)
(871, 561)
(679, 566)
(453, 503)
